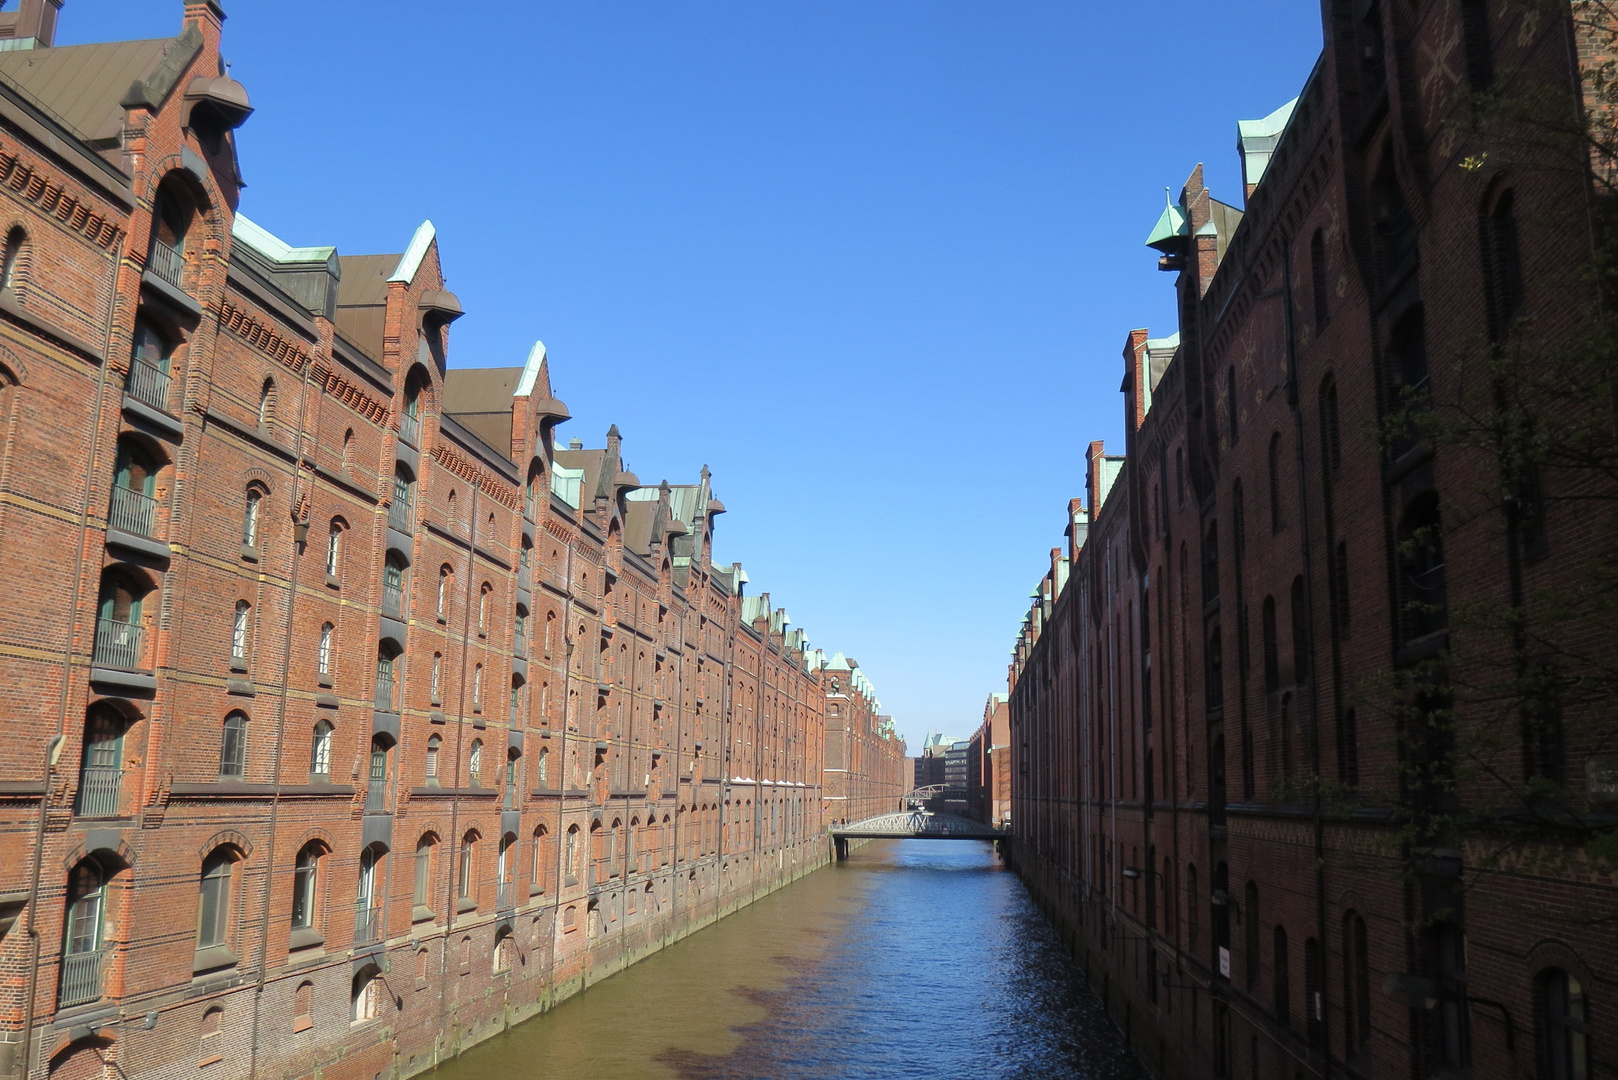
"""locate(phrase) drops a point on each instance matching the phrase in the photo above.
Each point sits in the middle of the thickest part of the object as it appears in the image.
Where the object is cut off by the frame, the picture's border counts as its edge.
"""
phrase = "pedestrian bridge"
(913, 825)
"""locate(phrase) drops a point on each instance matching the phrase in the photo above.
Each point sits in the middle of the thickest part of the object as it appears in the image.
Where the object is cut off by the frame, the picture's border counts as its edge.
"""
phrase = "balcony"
(410, 429)
(503, 896)
(148, 385)
(367, 924)
(519, 645)
(399, 516)
(119, 645)
(132, 511)
(100, 791)
(166, 263)
(393, 599)
(81, 978)
(385, 686)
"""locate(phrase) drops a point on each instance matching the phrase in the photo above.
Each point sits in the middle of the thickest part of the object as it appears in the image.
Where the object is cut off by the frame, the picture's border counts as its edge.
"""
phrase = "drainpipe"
(561, 762)
(54, 748)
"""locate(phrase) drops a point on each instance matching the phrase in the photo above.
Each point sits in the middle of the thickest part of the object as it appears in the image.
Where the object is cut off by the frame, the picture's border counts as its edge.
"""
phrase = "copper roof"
(362, 298)
(480, 400)
(83, 86)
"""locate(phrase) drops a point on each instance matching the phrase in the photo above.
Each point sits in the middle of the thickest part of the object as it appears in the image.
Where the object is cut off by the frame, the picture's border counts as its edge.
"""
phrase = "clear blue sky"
(872, 262)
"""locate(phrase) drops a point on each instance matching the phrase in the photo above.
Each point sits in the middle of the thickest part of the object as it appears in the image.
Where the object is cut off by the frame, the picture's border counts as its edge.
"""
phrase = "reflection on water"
(914, 958)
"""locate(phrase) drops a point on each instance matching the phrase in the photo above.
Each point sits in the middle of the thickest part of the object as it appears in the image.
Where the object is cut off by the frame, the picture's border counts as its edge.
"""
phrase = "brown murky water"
(915, 958)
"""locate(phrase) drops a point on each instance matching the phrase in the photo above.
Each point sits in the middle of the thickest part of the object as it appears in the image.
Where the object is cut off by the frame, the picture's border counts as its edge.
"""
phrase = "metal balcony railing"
(399, 516)
(367, 924)
(503, 895)
(166, 263)
(410, 429)
(376, 797)
(148, 384)
(519, 645)
(81, 978)
(385, 686)
(100, 791)
(118, 645)
(132, 511)
(392, 599)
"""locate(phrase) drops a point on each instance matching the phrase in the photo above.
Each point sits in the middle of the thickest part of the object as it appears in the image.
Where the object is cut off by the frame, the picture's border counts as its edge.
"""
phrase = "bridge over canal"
(914, 824)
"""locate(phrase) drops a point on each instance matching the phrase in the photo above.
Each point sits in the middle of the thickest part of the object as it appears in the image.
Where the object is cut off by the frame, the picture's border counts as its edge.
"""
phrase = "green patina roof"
(1170, 225)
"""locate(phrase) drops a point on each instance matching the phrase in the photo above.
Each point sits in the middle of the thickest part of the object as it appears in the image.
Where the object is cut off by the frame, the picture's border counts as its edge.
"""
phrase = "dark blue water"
(916, 958)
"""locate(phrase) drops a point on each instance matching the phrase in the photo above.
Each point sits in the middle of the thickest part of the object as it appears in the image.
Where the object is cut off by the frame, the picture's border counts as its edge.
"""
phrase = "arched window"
(1250, 934)
(410, 420)
(213, 904)
(238, 633)
(386, 677)
(1193, 902)
(393, 587)
(10, 262)
(1288, 736)
(474, 763)
(320, 750)
(83, 936)
(437, 691)
(424, 872)
(233, 747)
(102, 765)
(477, 688)
(505, 954)
(1502, 263)
(454, 519)
(149, 368)
(402, 511)
(334, 549)
(303, 1003)
(305, 885)
(119, 631)
(516, 700)
(250, 518)
(367, 906)
(208, 1036)
(570, 854)
(1300, 631)
(444, 576)
(467, 881)
(327, 630)
(537, 869)
(1230, 398)
(434, 743)
(483, 608)
(505, 869)
(1282, 981)
(1356, 987)
(348, 450)
(542, 767)
(132, 506)
(1475, 41)
(1275, 482)
(366, 995)
(520, 633)
(266, 403)
(1563, 1026)
(1272, 645)
(1331, 438)
(1317, 279)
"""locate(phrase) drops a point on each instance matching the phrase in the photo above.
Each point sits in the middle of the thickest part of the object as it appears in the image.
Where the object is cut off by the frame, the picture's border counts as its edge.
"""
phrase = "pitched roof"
(362, 299)
(83, 86)
(480, 399)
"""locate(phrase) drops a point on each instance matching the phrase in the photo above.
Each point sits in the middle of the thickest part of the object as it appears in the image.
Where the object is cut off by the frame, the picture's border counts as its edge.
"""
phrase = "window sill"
(465, 904)
(301, 1023)
(305, 937)
(212, 958)
(249, 553)
(333, 582)
(421, 913)
(211, 1059)
(238, 664)
(324, 681)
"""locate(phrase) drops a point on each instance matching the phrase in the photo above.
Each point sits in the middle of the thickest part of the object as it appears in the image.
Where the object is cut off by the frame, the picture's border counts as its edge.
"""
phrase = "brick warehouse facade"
(866, 770)
(360, 718)
(1252, 784)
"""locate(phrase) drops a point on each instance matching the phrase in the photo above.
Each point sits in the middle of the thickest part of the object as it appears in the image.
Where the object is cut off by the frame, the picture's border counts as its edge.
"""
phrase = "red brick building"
(1266, 781)
(866, 770)
(989, 794)
(355, 718)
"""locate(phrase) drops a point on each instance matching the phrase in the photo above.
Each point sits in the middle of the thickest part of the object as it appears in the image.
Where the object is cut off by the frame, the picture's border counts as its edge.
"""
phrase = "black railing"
(130, 510)
(367, 924)
(81, 977)
(166, 263)
(410, 429)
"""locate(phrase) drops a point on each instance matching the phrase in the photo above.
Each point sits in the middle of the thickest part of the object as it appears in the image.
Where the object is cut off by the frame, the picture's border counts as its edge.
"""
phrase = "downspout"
(567, 715)
(53, 750)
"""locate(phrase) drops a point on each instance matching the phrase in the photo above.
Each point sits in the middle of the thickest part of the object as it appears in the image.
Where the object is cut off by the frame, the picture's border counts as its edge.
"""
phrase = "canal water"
(915, 958)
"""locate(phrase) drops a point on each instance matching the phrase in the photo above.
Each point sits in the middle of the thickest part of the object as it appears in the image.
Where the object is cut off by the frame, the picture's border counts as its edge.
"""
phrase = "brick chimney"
(31, 26)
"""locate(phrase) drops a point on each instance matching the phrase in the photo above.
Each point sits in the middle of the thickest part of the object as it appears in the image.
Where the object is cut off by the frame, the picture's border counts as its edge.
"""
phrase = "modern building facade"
(1305, 768)
(355, 717)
